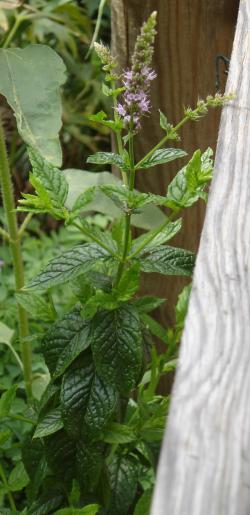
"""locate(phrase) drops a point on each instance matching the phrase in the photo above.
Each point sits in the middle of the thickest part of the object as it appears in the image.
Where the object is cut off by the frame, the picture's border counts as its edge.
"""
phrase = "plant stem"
(95, 239)
(12, 32)
(15, 247)
(22, 419)
(4, 234)
(119, 136)
(9, 493)
(24, 224)
(128, 215)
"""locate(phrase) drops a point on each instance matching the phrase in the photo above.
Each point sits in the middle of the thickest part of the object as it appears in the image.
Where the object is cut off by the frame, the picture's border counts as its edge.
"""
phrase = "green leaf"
(52, 179)
(103, 158)
(30, 80)
(161, 156)
(154, 327)
(100, 118)
(6, 401)
(123, 480)
(60, 452)
(124, 198)
(144, 503)
(64, 341)
(18, 478)
(69, 265)
(149, 217)
(129, 283)
(118, 434)
(189, 183)
(163, 121)
(5, 334)
(100, 299)
(169, 261)
(153, 429)
(91, 509)
(84, 199)
(117, 346)
(34, 461)
(182, 307)
(36, 305)
(156, 237)
(147, 304)
(51, 423)
(87, 403)
(89, 463)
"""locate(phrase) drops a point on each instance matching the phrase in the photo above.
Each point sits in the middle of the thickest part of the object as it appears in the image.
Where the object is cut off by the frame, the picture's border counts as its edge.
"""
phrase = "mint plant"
(97, 428)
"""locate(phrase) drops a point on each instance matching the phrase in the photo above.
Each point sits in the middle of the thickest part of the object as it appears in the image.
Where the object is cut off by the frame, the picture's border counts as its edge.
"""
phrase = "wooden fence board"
(205, 460)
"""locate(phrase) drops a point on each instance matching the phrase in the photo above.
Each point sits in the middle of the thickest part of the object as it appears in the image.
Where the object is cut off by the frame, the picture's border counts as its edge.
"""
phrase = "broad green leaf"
(144, 503)
(51, 423)
(87, 403)
(150, 216)
(36, 305)
(69, 265)
(18, 478)
(189, 183)
(30, 80)
(123, 474)
(34, 461)
(169, 261)
(89, 463)
(51, 179)
(156, 237)
(147, 304)
(100, 299)
(64, 341)
(101, 118)
(129, 283)
(118, 434)
(91, 509)
(4, 436)
(161, 156)
(60, 452)
(6, 401)
(153, 429)
(123, 197)
(47, 503)
(103, 158)
(84, 199)
(117, 346)
(5, 334)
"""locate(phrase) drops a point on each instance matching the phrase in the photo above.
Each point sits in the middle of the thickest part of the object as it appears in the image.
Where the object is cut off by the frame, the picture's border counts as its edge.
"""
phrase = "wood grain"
(205, 460)
(190, 35)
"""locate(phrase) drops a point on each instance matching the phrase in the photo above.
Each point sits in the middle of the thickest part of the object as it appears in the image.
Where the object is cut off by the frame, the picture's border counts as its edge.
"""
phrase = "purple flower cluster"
(136, 101)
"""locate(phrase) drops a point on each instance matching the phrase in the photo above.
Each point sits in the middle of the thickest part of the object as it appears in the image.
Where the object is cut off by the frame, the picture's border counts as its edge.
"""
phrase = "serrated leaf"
(123, 480)
(147, 304)
(117, 346)
(64, 341)
(84, 199)
(161, 156)
(89, 463)
(34, 97)
(87, 403)
(118, 434)
(115, 125)
(129, 283)
(60, 454)
(50, 177)
(169, 261)
(35, 464)
(51, 423)
(36, 305)
(122, 196)
(6, 400)
(18, 478)
(156, 237)
(101, 158)
(69, 265)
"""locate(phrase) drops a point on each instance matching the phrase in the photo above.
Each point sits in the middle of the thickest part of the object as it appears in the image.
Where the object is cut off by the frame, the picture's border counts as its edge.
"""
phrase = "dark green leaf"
(6, 401)
(147, 304)
(50, 177)
(91, 509)
(64, 341)
(117, 346)
(69, 265)
(51, 423)
(103, 158)
(123, 479)
(35, 464)
(156, 237)
(30, 79)
(161, 156)
(169, 261)
(18, 478)
(60, 453)
(87, 403)
(89, 463)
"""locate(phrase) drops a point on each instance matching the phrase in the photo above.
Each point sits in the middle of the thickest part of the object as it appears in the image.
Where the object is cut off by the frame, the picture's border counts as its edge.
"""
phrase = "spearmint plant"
(97, 428)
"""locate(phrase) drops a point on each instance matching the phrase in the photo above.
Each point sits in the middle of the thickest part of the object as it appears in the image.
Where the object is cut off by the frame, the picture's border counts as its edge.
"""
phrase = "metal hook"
(226, 61)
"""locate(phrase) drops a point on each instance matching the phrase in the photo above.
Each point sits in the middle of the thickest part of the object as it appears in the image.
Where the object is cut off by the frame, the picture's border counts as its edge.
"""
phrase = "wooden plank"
(190, 35)
(205, 460)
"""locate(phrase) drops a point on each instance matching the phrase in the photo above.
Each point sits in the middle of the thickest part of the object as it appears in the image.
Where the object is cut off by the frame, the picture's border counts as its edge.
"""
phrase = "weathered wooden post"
(191, 33)
(205, 460)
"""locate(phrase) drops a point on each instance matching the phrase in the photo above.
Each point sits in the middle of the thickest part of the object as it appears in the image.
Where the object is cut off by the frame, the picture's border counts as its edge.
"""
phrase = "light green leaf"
(169, 261)
(69, 265)
(5, 334)
(101, 118)
(6, 401)
(118, 434)
(91, 509)
(64, 341)
(144, 503)
(18, 478)
(163, 121)
(117, 346)
(161, 156)
(147, 304)
(156, 237)
(51, 423)
(36, 305)
(103, 158)
(153, 429)
(30, 79)
(87, 403)
(129, 283)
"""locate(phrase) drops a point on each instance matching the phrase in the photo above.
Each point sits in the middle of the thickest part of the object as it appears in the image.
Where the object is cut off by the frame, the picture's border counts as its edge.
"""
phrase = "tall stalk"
(14, 239)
